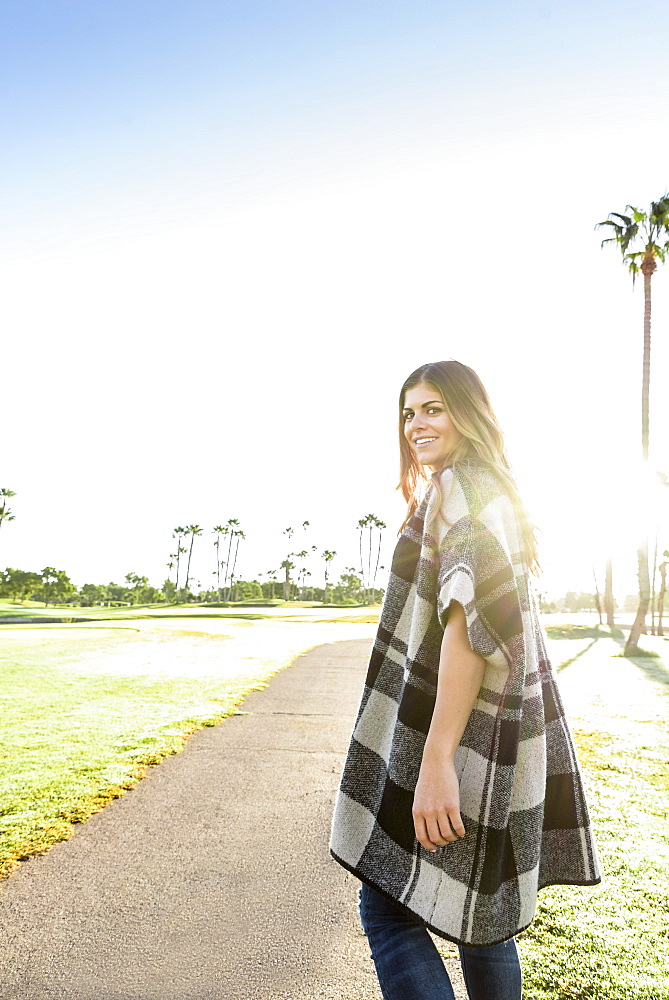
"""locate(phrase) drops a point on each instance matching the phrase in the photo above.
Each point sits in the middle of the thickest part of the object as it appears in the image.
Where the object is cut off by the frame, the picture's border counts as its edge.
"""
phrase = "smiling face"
(429, 430)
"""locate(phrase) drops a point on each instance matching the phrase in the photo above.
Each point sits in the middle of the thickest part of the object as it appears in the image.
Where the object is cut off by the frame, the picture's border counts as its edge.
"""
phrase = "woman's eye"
(408, 416)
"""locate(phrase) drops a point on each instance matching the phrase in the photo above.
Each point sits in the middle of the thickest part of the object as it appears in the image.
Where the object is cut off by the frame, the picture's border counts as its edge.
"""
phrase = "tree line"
(54, 587)
(584, 601)
(291, 580)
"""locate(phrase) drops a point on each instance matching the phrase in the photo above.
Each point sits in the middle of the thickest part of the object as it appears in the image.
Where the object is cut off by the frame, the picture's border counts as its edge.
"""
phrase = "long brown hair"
(468, 405)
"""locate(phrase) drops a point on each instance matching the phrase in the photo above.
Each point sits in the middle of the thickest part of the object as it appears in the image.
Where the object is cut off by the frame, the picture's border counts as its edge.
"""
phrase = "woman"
(461, 794)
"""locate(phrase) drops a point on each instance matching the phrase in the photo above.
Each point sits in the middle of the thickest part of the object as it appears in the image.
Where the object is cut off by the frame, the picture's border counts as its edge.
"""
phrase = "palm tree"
(362, 524)
(178, 533)
(287, 565)
(300, 576)
(608, 594)
(314, 548)
(192, 530)
(307, 573)
(328, 555)
(663, 589)
(225, 532)
(650, 230)
(598, 597)
(271, 576)
(652, 588)
(301, 556)
(218, 531)
(663, 480)
(379, 525)
(238, 536)
(5, 512)
(229, 530)
(371, 521)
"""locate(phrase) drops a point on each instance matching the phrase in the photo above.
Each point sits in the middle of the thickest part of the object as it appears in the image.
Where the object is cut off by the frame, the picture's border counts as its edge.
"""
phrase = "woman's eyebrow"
(430, 402)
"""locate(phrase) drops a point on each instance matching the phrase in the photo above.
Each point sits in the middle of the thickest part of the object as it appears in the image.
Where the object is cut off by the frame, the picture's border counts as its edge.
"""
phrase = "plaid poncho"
(521, 797)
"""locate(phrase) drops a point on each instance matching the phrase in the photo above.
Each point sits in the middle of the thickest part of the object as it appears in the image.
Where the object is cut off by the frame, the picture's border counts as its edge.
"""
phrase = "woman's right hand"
(436, 802)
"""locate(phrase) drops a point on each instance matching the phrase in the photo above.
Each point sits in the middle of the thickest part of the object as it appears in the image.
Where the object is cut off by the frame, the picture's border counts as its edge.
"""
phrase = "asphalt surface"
(211, 879)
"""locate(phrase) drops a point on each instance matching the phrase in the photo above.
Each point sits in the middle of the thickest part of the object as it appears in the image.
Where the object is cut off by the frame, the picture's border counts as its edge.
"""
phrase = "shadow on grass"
(582, 632)
(652, 666)
(650, 663)
(162, 612)
(45, 620)
(180, 615)
(578, 655)
(595, 633)
(99, 619)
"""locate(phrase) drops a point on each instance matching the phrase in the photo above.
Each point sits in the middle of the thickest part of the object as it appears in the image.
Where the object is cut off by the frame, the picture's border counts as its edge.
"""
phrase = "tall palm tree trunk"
(378, 552)
(234, 560)
(647, 268)
(598, 599)
(653, 594)
(369, 558)
(180, 550)
(660, 600)
(190, 553)
(227, 592)
(608, 594)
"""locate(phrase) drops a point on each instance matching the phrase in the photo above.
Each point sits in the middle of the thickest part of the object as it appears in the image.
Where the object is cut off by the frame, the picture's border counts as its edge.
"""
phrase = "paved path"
(211, 879)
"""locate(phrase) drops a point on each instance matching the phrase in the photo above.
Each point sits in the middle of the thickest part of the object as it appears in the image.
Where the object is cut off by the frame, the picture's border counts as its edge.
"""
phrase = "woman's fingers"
(445, 828)
(436, 831)
(427, 833)
(456, 822)
(421, 833)
(439, 829)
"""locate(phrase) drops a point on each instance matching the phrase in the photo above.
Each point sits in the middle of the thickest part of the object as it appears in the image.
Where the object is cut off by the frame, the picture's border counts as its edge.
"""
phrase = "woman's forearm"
(460, 676)
(436, 804)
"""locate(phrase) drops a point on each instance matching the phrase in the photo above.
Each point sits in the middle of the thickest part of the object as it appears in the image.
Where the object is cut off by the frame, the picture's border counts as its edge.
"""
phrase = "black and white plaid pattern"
(521, 796)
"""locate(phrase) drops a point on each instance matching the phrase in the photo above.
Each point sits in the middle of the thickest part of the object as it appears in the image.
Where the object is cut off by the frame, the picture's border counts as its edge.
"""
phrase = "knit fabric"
(521, 796)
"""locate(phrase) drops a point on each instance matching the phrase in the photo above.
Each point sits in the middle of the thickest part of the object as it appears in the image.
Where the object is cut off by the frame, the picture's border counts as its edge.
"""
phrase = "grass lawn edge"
(43, 838)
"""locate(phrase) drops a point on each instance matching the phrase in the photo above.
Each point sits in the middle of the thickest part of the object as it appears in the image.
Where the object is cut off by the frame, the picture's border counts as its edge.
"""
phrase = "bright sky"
(230, 231)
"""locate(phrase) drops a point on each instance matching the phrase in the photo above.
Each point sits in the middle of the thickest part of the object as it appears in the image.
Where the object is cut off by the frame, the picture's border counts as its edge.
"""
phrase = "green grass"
(610, 942)
(71, 743)
(71, 740)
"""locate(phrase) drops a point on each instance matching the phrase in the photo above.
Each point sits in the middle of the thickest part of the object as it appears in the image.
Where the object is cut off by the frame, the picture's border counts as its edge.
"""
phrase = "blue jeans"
(409, 967)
